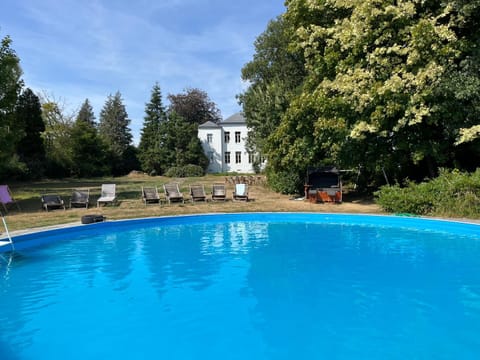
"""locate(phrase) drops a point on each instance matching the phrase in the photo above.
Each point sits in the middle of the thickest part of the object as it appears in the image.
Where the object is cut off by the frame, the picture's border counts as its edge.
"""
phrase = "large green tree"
(115, 132)
(90, 156)
(194, 106)
(10, 88)
(275, 75)
(30, 148)
(391, 86)
(182, 143)
(151, 153)
(57, 136)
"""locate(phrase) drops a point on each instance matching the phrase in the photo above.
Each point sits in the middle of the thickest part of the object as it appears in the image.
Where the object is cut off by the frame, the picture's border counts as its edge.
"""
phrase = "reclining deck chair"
(108, 194)
(197, 193)
(241, 192)
(6, 197)
(80, 198)
(172, 193)
(219, 192)
(150, 195)
(52, 201)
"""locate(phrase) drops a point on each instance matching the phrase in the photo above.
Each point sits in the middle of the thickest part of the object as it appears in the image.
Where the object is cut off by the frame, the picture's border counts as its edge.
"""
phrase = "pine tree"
(30, 148)
(149, 149)
(114, 130)
(86, 113)
(89, 152)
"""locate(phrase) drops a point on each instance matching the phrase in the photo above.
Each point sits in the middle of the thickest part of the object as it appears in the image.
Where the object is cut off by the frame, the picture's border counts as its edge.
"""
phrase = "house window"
(238, 157)
(227, 137)
(210, 156)
(237, 136)
(251, 157)
(209, 138)
(227, 157)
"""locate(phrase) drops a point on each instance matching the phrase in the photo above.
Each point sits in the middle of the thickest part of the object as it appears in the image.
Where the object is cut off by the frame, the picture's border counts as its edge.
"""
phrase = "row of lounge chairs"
(172, 193)
(150, 195)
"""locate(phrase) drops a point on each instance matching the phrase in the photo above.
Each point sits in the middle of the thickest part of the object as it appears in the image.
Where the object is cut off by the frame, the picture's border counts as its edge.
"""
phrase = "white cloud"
(94, 48)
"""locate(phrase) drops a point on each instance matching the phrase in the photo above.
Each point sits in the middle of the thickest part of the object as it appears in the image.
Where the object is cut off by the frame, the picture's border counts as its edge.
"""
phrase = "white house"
(225, 145)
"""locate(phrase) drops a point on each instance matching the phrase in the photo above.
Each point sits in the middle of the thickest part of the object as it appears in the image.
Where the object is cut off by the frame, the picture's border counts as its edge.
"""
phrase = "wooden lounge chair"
(241, 192)
(52, 201)
(108, 194)
(80, 198)
(197, 193)
(172, 193)
(6, 197)
(150, 195)
(219, 192)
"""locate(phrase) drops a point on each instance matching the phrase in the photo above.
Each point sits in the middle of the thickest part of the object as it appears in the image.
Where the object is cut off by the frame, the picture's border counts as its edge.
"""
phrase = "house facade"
(225, 145)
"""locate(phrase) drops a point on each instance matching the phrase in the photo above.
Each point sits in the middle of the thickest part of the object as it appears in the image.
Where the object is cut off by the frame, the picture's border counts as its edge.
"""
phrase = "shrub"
(185, 171)
(452, 193)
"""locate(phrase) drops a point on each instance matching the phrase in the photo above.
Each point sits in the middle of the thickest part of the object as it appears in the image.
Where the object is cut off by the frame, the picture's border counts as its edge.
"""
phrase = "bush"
(185, 171)
(452, 193)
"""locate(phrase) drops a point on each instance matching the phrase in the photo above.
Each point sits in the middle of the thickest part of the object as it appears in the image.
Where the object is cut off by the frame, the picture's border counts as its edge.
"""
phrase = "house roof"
(237, 118)
(208, 125)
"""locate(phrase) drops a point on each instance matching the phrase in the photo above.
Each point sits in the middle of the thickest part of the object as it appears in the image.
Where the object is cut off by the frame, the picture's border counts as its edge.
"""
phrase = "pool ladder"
(8, 233)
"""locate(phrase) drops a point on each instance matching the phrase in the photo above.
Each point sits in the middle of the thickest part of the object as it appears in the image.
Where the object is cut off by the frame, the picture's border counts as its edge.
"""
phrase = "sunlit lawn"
(130, 204)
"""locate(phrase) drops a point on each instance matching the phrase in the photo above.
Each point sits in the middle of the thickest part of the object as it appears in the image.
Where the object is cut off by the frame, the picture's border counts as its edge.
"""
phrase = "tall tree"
(10, 87)
(274, 76)
(86, 113)
(114, 130)
(181, 144)
(150, 149)
(30, 148)
(57, 136)
(194, 106)
(89, 152)
(391, 86)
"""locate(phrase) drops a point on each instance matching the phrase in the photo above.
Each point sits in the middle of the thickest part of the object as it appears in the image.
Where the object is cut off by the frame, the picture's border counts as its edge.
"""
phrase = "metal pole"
(8, 233)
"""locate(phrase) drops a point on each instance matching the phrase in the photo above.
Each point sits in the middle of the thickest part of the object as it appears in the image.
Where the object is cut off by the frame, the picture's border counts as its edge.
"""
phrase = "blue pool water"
(250, 286)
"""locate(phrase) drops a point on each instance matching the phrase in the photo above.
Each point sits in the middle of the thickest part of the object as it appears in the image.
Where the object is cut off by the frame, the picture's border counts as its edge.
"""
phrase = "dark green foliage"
(30, 148)
(194, 106)
(90, 155)
(150, 152)
(189, 170)
(387, 86)
(275, 75)
(10, 87)
(285, 182)
(452, 193)
(115, 132)
(181, 144)
(86, 114)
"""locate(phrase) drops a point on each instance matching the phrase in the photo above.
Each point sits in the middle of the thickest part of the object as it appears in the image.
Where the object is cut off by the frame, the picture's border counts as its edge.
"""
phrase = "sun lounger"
(6, 197)
(80, 198)
(241, 192)
(172, 193)
(219, 192)
(52, 201)
(197, 193)
(108, 194)
(150, 195)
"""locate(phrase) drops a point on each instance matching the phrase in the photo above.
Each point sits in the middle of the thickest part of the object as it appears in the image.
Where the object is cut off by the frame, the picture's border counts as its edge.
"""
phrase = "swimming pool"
(238, 286)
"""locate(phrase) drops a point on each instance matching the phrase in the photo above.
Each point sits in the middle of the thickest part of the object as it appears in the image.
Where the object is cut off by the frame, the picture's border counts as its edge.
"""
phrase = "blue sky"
(73, 49)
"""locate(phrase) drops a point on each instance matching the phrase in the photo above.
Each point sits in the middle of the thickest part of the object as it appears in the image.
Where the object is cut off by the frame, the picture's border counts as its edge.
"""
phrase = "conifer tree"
(30, 148)
(114, 130)
(89, 152)
(149, 149)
